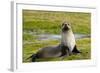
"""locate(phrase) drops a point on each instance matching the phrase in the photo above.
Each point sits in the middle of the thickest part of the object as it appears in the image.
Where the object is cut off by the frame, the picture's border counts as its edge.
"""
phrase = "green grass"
(44, 21)
(49, 22)
(82, 44)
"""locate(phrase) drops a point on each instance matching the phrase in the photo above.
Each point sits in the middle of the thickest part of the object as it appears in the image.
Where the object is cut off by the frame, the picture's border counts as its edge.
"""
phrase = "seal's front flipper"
(75, 50)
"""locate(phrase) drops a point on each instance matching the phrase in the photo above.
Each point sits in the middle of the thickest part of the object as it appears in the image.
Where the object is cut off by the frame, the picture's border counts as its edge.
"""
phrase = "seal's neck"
(67, 37)
(67, 33)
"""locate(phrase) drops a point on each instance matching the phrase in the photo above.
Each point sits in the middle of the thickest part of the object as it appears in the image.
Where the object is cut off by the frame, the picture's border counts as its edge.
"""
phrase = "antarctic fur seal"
(68, 38)
(66, 47)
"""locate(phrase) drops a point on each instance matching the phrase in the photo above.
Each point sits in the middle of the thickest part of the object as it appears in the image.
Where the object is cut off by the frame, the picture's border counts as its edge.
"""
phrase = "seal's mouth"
(65, 27)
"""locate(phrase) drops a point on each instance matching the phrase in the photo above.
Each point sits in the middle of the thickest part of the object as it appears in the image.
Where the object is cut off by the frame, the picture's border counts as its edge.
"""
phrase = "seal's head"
(66, 26)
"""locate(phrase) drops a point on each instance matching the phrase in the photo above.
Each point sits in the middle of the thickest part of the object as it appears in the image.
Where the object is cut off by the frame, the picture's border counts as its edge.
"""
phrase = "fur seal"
(68, 39)
(66, 47)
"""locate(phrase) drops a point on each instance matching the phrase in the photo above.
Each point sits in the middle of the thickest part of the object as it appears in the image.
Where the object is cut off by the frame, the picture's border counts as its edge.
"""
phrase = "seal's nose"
(65, 27)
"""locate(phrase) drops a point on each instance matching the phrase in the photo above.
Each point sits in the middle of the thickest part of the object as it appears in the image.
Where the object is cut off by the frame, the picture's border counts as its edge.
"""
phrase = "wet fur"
(47, 52)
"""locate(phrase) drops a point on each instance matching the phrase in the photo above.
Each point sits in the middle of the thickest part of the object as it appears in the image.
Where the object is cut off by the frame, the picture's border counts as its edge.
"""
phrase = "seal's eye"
(68, 24)
(63, 24)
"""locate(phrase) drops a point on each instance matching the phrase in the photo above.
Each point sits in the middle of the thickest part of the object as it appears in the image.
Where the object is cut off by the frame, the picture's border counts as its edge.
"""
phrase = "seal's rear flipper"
(33, 57)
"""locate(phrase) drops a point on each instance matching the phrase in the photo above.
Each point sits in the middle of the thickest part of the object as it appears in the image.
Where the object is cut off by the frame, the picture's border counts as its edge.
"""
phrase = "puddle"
(46, 37)
(53, 36)
(58, 37)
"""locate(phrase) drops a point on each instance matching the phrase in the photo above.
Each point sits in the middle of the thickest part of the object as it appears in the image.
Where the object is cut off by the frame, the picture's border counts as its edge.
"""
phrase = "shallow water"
(46, 37)
(58, 37)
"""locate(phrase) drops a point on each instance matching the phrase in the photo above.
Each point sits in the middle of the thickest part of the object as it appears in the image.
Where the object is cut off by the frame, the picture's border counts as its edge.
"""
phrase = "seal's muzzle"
(65, 27)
